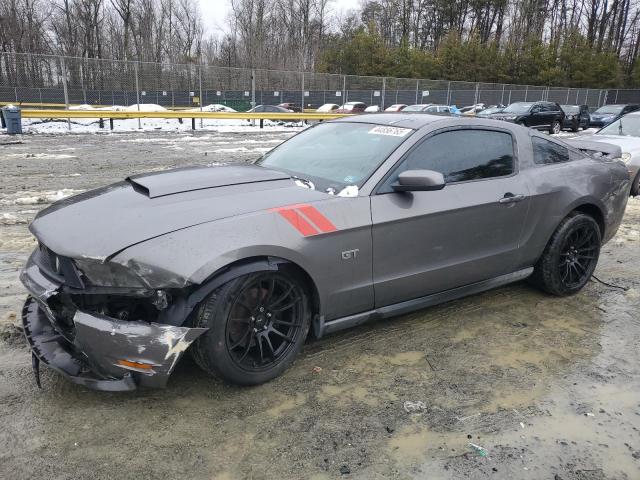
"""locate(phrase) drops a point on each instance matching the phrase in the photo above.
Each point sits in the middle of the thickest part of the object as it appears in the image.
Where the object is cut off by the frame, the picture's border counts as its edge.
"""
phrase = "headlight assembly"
(626, 157)
(108, 274)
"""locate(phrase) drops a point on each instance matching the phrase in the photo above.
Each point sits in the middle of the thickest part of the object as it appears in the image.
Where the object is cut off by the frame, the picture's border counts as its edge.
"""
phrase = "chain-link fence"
(61, 81)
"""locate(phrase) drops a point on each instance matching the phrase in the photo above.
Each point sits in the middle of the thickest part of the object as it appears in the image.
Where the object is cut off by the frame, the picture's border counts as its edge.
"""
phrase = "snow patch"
(37, 198)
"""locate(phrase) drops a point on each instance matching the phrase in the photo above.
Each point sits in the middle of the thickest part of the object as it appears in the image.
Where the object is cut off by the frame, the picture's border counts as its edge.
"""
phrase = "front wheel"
(257, 325)
(556, 127)
(570, 257)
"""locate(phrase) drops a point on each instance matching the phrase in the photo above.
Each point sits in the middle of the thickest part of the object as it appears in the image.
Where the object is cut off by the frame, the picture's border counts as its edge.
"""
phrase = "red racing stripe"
(296, 220)
(317, 218)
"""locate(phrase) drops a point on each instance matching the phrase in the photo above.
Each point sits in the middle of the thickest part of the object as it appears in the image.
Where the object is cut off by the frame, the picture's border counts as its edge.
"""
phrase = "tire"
(570, 257)
(575, 127)
(522, 123)
(253, 335)
(635, 186)
(556, 127)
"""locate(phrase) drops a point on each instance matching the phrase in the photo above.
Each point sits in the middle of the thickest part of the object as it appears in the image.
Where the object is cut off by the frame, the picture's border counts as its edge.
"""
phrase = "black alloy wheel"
(578, 257)
(265, 320)
(257, 325)
(570, 257)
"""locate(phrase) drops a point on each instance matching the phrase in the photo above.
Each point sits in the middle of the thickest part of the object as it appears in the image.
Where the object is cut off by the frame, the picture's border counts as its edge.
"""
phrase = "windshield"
(518, 107)
(335, 155)
(627, 126)
(414, 108)
(571, 109)
(612, 109)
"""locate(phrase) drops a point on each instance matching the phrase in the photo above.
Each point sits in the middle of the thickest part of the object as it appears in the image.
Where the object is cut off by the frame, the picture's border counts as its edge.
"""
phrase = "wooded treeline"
(578, 43)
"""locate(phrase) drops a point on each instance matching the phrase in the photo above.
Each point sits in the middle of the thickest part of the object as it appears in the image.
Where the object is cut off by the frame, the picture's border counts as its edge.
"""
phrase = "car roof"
(403, 120)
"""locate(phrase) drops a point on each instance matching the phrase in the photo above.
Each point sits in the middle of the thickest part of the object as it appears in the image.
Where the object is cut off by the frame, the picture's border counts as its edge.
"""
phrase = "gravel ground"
(549, 387)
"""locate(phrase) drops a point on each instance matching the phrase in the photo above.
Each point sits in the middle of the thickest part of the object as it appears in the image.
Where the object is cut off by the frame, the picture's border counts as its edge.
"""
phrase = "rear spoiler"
(596, 149)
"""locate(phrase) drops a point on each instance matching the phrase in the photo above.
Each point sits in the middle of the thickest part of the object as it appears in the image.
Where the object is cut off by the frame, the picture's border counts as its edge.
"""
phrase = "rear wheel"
(257, 325)
(556, 127)
(570, 257)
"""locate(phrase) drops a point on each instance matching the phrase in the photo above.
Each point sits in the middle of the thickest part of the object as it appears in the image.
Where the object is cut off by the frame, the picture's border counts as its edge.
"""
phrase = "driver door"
(426, 242)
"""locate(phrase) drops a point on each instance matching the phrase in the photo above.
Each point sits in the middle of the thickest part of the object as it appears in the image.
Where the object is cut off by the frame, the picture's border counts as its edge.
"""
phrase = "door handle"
(511, 198)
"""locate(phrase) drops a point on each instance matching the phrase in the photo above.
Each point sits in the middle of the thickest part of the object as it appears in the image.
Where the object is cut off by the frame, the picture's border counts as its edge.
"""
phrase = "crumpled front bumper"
(99, 352)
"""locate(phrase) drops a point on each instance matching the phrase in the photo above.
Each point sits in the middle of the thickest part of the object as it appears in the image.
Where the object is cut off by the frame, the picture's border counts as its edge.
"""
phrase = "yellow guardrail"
(37, 113)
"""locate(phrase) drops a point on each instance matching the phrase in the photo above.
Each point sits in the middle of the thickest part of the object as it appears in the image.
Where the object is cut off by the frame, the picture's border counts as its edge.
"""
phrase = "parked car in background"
(269, 109)
(237, 263)
(327, 107)
(490, 110)
(472, 109)
(372, 109)
(396, 107)
(352, 107)
(576, 117)
(291, 106)
(541, 115)
(428, 108)
(608, 113)
(625, 133)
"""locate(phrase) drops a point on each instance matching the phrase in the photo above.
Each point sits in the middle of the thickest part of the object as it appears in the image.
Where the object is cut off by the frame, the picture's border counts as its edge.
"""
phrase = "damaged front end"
(106, 337)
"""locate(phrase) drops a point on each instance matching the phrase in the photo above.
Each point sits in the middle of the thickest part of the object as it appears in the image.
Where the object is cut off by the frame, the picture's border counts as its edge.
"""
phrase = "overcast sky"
(214, 13)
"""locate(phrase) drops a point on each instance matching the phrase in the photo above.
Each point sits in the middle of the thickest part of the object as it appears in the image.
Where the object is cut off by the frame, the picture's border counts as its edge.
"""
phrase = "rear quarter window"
(546, 152)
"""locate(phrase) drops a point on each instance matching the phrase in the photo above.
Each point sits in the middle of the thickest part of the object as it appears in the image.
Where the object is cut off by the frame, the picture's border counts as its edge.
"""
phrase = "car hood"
(626, 144)
(100, 223)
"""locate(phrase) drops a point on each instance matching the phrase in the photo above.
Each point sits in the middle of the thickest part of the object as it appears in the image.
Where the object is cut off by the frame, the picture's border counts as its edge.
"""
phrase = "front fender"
(343, 284)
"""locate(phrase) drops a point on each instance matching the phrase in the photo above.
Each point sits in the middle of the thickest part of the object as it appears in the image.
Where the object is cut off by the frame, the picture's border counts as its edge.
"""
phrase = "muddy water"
(547, 386)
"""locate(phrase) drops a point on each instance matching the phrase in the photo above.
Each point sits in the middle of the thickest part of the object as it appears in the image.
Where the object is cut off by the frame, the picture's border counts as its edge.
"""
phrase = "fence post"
(616, 100)
(502, 95)
(344, 89)
(135, 66)
(84, 90)
(64, 88)
(586, 96)
(526, 92)
(253, 87)
(302, 94)
(253, 92)
(448, 93)
(417, 89)
(200, 88)
(384, 91)
(567, 102)
(475, 99)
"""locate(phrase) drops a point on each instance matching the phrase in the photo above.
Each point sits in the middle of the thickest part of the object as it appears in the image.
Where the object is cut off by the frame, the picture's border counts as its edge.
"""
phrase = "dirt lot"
(549, 387)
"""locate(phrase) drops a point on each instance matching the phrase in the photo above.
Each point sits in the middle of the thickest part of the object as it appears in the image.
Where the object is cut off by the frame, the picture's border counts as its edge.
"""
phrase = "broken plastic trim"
(94, 359)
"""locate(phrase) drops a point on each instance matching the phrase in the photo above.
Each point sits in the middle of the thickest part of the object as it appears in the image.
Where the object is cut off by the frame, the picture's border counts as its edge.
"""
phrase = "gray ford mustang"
(356, 219)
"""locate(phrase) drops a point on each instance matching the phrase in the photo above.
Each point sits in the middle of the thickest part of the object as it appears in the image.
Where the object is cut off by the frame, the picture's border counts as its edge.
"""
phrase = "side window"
(546, 152)
(431, 109)
(461, 155)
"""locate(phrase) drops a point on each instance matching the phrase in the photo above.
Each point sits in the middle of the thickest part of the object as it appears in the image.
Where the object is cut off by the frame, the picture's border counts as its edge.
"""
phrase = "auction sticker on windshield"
(391, 131)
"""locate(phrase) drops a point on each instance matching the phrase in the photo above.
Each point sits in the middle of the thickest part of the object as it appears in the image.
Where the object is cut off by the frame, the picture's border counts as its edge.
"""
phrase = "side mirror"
(419, 181)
